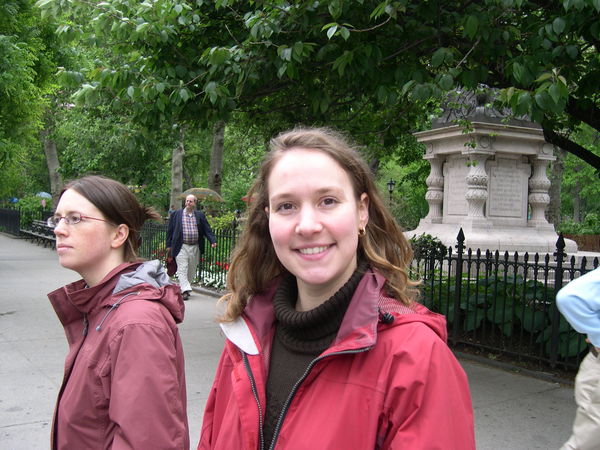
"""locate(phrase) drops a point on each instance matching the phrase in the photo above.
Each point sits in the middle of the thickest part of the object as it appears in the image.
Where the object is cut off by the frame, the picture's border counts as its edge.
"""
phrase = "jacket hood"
(151, 272)
(362, 321)
(150, 276)
(148, 279)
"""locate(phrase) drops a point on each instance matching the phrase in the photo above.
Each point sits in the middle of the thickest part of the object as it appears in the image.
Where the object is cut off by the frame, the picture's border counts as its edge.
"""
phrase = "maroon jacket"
(124, 382)
(387, 381)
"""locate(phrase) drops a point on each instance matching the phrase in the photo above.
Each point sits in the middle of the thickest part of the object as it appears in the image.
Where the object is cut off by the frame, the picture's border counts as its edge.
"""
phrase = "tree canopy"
(370, 65)
(27, 63)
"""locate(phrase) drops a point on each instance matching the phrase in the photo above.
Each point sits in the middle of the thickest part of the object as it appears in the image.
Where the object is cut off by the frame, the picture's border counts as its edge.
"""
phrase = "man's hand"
(595, 350)
(213, 245)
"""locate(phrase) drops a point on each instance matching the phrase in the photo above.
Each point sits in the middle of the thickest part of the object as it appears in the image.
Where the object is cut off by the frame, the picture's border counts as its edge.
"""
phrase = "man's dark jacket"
(175, 231)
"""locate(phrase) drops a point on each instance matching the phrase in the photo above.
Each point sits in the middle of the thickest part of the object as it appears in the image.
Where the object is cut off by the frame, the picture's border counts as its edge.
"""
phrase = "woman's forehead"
(73, 201)
(300, 165)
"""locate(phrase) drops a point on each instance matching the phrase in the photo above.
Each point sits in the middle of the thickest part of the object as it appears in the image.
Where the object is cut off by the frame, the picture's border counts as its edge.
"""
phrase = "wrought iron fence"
(505, 304)
(214, 262)
(10, 220)
(13, 220)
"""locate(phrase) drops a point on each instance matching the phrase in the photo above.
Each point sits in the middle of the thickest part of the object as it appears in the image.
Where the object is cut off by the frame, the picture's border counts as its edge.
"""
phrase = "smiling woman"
(314, 218)
(326, 345)
(121, 322)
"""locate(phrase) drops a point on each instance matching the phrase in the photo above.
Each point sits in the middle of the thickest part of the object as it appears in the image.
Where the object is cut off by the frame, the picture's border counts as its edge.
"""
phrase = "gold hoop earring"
(362, 232)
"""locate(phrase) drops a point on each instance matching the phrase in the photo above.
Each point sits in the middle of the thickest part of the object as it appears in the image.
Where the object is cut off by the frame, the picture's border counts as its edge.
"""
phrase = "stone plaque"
(507, 188)
(455, 187)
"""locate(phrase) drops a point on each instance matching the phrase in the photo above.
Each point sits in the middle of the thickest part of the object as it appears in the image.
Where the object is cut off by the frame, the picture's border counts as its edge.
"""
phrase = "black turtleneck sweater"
(300, 336)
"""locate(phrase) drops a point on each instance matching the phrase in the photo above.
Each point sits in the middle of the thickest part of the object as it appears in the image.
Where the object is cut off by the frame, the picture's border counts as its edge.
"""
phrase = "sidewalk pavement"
(512, 411)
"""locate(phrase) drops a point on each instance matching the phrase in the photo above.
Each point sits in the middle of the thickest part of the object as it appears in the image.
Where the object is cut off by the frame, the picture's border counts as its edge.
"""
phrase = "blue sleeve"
(579, 302)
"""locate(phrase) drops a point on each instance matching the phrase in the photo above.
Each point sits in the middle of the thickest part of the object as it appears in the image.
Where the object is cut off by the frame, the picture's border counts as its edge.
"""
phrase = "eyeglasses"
(70, 219)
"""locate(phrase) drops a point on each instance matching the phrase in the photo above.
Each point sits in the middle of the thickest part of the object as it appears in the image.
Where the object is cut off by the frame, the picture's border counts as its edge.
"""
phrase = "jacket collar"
(75, 299)
(358, 328)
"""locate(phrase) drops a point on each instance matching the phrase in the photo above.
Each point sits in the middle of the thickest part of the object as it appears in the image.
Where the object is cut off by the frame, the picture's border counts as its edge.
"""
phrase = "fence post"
(458, 286)
(559, 255)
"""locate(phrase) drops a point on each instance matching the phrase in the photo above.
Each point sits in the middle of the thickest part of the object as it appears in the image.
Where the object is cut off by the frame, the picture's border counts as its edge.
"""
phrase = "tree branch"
(468, 53)
(572, 147)
(373, 27)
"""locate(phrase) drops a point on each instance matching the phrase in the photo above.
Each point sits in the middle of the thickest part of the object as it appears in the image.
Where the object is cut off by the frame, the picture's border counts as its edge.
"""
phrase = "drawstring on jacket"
(385, 317)
(112, 308)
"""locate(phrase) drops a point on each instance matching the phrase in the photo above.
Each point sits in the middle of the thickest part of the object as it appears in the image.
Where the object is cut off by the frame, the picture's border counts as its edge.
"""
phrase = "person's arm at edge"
(170, 229)
(579, 303)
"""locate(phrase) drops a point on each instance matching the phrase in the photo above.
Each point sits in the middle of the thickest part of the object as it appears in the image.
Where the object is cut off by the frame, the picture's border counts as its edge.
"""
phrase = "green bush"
(31, 209)
(590, 225)
(425, 246)
(223, 221)
(508, 302)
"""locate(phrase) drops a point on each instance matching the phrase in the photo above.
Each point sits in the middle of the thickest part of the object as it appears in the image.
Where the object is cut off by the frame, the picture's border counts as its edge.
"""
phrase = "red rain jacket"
(393, 385)
(124, 382)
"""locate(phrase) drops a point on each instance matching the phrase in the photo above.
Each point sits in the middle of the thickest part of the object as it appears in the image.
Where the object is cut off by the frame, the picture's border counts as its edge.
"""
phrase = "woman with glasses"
(124, 382)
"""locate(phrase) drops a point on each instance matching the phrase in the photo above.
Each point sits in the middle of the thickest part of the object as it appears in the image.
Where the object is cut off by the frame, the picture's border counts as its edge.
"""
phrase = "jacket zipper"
(255, 393)
(65, 379)
(288, 401)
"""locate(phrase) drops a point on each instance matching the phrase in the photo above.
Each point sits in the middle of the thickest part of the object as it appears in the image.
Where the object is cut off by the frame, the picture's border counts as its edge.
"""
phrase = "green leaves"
(558, 25)
(471, 26)
(519, 72)
(218, 55)
(446, 82)
(441, 56)
(343, 61)
(334, 29)
(225, 53)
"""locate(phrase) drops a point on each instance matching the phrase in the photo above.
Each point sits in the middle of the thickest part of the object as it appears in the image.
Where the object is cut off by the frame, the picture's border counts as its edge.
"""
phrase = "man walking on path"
(185, 241)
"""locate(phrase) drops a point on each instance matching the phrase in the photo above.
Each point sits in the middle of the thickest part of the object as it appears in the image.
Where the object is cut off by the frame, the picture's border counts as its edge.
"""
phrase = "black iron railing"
(10, 220)
(505, 304)
(13, 220)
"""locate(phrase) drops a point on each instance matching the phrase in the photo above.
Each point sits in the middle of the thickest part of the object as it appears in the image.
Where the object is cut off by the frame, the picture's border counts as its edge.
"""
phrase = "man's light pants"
(586, 427)
(187, 262)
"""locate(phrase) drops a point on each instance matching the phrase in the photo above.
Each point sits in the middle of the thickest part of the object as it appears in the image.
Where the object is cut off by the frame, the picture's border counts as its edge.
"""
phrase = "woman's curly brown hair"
(254, 262)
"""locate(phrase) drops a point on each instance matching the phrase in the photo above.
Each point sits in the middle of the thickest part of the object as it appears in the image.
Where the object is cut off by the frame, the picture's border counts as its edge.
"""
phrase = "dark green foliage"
(517, 309)
(590, 225)
(374, 67)
(31, 209)
(425, 246)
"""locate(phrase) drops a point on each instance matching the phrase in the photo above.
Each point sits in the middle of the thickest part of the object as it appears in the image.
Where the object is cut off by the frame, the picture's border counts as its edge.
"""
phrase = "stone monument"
(490, 180)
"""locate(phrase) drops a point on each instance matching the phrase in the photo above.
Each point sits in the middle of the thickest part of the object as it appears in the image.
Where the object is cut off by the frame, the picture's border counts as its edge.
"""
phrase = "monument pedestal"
(492, 183)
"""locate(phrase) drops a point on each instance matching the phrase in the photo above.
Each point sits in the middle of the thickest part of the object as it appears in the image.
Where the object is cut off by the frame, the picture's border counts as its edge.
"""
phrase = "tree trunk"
(576, 195)
(553, 212)
(216, 157)
(577, 202)
(177, 170)
(52, 162)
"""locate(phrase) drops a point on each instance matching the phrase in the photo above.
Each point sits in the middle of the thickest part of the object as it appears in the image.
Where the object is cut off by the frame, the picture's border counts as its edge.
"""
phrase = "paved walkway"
(512, 411)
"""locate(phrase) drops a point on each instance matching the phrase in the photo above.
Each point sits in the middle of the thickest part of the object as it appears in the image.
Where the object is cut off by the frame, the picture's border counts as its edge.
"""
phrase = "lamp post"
(391, 185)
